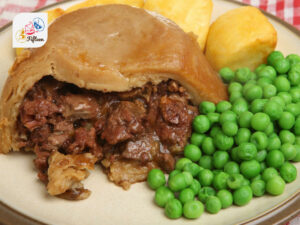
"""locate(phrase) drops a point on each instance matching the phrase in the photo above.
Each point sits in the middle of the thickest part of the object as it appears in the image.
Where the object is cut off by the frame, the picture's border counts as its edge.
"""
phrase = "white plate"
(21, 190)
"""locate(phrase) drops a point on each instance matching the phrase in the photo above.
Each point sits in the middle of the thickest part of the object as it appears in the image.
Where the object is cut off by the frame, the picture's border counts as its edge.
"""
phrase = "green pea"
(220, 181)
(192, 152)
(261, 156)
(195, 186)
(205, 192)
(269, 91)
(242, 196)
(275, 185)
(263, 81)
(197, 139)
(258, 177)
(239, 106)
(287, 136)
(173, 173)
(234, 154)
(225, 197)
(206, 162)
(250, 168)
(295, 67)
(281, 65)
(206, 177)
(260, 121)
(297, 157)
(288, 172)
(234, 87)
(214, 131)
(230, 128)
(223, 142)
(243, 136)
(173, 209)
(186, 195)
(207, 107)
(213, 117)
(208, 146)
(244, 119)
(213, 204)
(294, 77)
(274, 143)
(297, 126)
(235, 95)
(201, 124)
(228, 116)
(226, 74)
(282, 84)
(293, 109)
(260, 67)
(267, 72)
(242, 75)
(279, 100)
(273, 56)
(254, 92)
(223, 106)
(156, 178)
(270, 129)
(193, 209)
(235, 181)
(259, 139)
(273, 109)
(181, 163)
(258, 105)
(286, 121)
(178, 182)
(287, 98)
(220, 158)
(192, 168)
(268, 173)
(163, 195)
(231, 167)
(275, 158)
(295, 94)
(293, 59)
(258, 188)
(188, 178)
(247, 151)
(289, 151)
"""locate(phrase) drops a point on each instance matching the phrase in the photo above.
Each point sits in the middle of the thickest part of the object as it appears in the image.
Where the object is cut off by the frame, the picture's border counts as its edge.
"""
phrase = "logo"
(30, 30)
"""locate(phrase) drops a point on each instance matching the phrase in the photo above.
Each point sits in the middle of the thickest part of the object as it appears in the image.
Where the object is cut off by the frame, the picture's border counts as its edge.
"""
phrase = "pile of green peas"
(239, 148)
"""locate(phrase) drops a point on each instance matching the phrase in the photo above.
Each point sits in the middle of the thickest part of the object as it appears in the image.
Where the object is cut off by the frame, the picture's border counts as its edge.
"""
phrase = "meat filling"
(129, 132)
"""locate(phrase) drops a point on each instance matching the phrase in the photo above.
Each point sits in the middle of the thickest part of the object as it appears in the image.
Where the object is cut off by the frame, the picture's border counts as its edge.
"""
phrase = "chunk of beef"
(173, 124)
(145, 148)
(35, 113)
(80, 106)
(123, 123)
(84, 139)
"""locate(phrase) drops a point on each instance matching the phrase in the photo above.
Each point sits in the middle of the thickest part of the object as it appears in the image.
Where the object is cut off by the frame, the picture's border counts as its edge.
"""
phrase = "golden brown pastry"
(241, 37)
(114, 81)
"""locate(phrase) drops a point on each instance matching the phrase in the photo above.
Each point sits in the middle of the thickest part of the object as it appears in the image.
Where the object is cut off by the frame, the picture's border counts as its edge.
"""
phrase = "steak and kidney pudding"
(113, 85)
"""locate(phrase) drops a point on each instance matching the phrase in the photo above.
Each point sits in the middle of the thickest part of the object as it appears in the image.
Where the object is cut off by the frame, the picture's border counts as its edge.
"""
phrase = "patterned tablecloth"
(288, 10)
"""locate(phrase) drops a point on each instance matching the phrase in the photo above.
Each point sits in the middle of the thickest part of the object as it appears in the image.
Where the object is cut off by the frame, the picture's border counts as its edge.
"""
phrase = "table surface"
(288, 10)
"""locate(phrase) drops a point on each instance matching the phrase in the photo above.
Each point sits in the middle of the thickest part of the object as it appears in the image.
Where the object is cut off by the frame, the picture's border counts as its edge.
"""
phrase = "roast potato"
(191, 15)
(241, 37)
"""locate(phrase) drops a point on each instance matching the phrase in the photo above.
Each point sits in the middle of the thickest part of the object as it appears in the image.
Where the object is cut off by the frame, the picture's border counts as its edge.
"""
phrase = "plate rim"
(279, 214)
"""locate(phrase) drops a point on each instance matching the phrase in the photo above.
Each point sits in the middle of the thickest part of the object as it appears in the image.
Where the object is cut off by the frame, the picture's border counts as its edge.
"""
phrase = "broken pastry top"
(113, 81)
